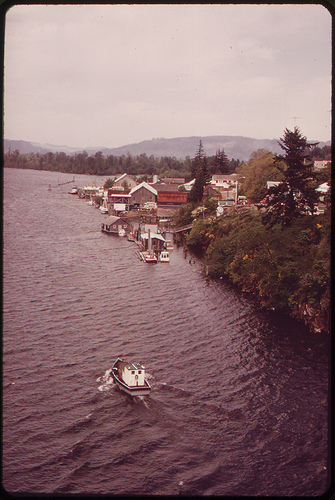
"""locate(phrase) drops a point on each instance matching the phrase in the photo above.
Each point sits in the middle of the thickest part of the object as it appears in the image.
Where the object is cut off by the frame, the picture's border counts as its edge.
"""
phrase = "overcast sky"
(111, 75)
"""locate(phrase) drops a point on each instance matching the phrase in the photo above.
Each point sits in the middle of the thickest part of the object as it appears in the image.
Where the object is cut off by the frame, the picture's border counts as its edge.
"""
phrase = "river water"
(239, 400)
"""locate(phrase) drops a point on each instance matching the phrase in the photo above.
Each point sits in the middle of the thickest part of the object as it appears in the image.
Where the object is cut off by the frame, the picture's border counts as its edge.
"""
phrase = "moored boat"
(148, 256)
(130, 378)
(168, 245)
(103, 209)
(164, 256)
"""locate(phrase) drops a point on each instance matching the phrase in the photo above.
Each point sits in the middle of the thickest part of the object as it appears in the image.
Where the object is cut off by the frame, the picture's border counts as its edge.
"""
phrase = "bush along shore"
(287, 268)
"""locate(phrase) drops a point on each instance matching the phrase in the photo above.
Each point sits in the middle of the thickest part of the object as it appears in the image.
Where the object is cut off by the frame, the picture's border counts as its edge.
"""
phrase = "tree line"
(98, 164)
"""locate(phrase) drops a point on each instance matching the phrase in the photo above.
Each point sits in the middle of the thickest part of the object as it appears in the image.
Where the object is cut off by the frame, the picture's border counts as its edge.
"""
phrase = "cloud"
(115, 74)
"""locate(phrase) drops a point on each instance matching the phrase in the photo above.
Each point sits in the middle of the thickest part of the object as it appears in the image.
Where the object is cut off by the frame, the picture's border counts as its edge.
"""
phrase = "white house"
(125, 178)
(271, 184)
(224, 181)
(188, 185)
(320, 164)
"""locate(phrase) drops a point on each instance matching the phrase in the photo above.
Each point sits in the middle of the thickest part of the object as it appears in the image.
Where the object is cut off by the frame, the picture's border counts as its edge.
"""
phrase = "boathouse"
(152, 241)
(113, 225)
(142, 194)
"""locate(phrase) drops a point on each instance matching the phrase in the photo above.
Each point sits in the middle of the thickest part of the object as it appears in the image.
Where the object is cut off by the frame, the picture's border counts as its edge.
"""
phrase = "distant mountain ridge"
(237, 147)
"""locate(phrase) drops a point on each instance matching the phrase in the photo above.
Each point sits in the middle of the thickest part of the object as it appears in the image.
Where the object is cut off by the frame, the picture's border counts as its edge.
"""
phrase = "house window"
(133, 373)
(139, 372)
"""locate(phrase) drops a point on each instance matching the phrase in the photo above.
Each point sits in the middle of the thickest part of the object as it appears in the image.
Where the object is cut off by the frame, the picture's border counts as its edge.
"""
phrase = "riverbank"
(287, 269)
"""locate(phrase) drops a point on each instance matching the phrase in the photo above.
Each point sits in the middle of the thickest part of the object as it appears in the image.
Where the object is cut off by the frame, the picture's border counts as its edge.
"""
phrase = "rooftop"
(146, 186)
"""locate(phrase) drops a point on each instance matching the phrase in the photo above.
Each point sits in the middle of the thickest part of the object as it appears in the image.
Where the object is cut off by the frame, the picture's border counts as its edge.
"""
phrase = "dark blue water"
(239, 400)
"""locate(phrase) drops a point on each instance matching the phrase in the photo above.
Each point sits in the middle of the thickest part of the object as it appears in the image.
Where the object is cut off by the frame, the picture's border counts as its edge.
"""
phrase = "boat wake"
(106, 381)
(144, 400)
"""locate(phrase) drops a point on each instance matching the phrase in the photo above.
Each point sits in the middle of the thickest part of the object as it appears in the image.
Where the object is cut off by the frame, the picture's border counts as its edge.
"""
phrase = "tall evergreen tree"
(221, 162)
(197, 160)
(202, 177)
(296, 194)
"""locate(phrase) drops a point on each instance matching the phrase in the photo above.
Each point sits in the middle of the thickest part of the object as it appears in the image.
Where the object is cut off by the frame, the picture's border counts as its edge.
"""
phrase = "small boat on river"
(129, 377)
(164, 256)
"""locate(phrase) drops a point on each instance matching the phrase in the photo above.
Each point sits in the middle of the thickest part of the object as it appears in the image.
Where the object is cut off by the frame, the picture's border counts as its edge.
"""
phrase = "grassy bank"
(287, 269)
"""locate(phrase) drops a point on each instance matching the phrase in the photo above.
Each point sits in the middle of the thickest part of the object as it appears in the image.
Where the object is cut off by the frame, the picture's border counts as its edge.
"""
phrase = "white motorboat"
(130, 378)
(164, 256)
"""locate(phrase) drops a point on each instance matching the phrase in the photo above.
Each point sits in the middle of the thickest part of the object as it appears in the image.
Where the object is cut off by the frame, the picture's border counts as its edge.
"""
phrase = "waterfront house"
(125, 180)
(113, 225)
(152, 241)
(142, 194)
(119, 201)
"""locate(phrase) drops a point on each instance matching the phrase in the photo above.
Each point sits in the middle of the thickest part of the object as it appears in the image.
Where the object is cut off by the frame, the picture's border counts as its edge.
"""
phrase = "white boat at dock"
(168, 245)
(164, 256)
(148, 256)
(130, 378)
(74, 190)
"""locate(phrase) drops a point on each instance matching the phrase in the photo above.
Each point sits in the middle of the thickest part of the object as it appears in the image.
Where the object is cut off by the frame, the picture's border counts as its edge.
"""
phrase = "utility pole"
(236, 194)
(295, 119)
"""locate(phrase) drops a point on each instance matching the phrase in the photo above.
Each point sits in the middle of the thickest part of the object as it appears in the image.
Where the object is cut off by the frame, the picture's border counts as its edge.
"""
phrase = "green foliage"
(98, 200)
(256, 172)
(221, 163)
(98, 164)
(109, 183)
(201, 235)
(324, 153)
(285, 267)
(197, 191)
(296, 194)
(202, 177)
(324, 175)
(184, 215)
(211, 204)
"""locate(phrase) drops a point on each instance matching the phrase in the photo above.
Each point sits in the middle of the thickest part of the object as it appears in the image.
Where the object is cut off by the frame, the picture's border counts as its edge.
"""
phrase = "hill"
(237, 147)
